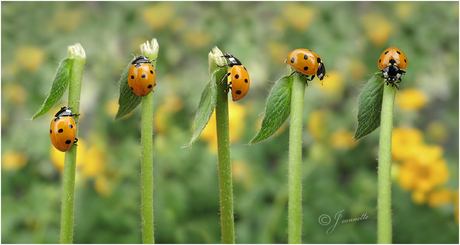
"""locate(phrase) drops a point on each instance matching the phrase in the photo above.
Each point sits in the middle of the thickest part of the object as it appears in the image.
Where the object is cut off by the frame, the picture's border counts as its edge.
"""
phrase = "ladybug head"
(321, 71)
(232, 59)
(141, 59)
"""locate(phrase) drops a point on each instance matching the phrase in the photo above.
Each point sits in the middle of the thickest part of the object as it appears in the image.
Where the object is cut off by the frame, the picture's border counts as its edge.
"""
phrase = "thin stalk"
(68, 179)
(295, 162)
(384, 229)
(147, 224)
(225, 167)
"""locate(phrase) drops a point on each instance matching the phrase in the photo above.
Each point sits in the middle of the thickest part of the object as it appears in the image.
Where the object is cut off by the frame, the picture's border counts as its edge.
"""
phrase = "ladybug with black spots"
(392, 62)
(306, 62)
(239, 78)
(63, 130)
(141, 76)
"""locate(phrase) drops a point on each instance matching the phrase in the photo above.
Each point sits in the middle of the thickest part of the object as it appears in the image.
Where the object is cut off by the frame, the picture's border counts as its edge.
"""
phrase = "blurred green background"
(338, 174)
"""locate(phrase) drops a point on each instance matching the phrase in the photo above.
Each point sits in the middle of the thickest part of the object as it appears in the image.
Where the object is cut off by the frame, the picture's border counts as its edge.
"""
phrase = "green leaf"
(277, 109)
(128, 100)
(370, 106)
(207, 104)
(58, 87)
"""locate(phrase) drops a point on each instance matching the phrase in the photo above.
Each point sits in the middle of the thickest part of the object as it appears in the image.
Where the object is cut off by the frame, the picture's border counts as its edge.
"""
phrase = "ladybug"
(239, 78)
(306, 62)
(63, 130)
(392, 62)
(141, 76)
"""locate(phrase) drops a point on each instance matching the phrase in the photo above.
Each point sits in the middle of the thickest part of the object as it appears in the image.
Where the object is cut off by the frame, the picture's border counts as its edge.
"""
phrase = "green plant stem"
(384, 230)
(225, 167)
(295, 162)
(147, 169)
(68, 178)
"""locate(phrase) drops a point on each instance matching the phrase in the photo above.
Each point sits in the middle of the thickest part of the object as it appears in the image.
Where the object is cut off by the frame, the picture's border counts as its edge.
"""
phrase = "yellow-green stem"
(295, 161)
(384, 230)
(68, 178)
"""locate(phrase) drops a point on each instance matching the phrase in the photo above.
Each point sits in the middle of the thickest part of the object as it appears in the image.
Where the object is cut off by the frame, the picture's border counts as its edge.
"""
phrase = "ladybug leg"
(224, 79)
(229, 86)
(293, 73)
(75, 142)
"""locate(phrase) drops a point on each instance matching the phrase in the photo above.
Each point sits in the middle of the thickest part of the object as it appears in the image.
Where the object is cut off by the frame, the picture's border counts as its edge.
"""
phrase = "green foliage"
(128, 101)
(370, 106)
(277, 109)
(58, 87)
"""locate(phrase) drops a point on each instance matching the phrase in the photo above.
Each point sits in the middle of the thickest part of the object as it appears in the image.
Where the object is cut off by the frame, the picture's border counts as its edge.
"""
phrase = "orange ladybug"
(141, 76)
(306, 62)
(392, 62)
(239, 78)
(63, 130)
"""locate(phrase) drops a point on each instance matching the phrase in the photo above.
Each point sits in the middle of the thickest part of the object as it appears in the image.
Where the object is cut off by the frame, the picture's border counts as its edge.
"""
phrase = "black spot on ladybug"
(51, 131)
(132, 77)
(131, 88)
(305, 68)
(68, 141)
(387, 52)
(318, 60)
(405, 61)
(150, 86)
(246, 80)
(151, 72)
(237, 76)
(306, 57)
(398, 52)
(143, 75)
(238, 91)
(292, 60)
(380, 60)
(60, 130)
(70, 126)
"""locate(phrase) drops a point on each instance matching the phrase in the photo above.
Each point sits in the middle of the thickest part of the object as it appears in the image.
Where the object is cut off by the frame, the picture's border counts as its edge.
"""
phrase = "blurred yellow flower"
(241, 173)
(103, 186)
(172, 104)
(158, 15)
(14, 93)
(316, 124)
(377, 28)
(58, 157)
(197, 39)
(333, 83)
(437, 131)
(404, 141)
(13, 160)
(29, 57)
(67, 20)
(357, 70)
(236, 118)
(439, 197)
(422, 176)
(419, 197)
(177, 24)
(403, 9)
(342, 139)
(278, 51)
(411, 99)
(94, 161)
(298, 15)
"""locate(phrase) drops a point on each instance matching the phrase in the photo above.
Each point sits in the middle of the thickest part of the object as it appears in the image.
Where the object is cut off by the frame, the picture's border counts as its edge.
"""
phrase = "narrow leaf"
(58, 87)
(277, 109)
(128, 100)
(207, 103)
(370, 106)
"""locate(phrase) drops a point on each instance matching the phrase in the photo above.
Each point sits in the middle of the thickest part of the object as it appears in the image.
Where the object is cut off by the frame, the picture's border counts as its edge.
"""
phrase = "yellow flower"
(404, 141)
(13, 160)
(103, 186)
(437, 131)
(29, 57)
(94, 161)
(342, 139)
(403, 9)
(411, 99)
(316, 124)
(298, 15)
(158, 15)
(419, 197)
(236, 118)
(197, 39)
(333, 86)
(14, 93)
(58, 157)
(278, 51)
(377, 28)
(422, 176)
(357, 70)
(241, 173)
(439, 197)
